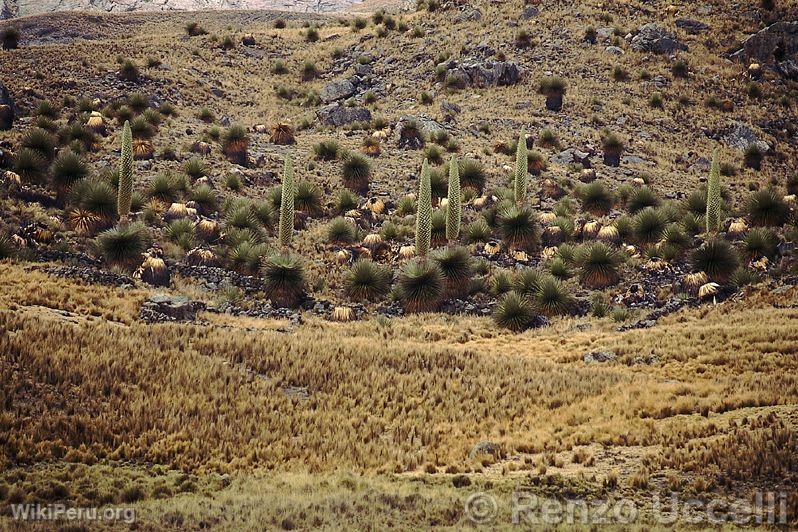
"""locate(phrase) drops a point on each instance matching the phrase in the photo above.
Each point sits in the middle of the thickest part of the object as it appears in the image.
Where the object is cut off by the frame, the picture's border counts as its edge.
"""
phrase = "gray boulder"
(739, 136)
(337, 90)
(164, 307)
(775, 45)
(598, 356)
(530, 12)
(338, 115)
(482, 73)
(656, 39)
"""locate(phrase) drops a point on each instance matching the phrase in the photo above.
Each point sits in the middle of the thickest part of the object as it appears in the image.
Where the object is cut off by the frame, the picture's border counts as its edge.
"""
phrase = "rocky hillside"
(23, 8)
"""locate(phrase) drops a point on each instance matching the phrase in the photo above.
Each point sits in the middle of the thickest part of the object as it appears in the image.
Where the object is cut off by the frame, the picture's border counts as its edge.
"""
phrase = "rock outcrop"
(339, 115)
(482, 73)
(776, 46)
(656, 39)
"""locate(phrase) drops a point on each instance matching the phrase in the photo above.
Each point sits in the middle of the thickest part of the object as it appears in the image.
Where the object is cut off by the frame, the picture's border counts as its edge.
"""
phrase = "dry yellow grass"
(407, 396)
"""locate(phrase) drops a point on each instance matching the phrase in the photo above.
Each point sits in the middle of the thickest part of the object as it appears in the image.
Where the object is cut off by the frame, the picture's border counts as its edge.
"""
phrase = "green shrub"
(456, 266)
(420, 286)
(356, 171)
(246, 254)
(340, 230)
(284, 280)
(367, 281)
(760, 242)
(345, 200)
(519, 227)
(195, 168)
(640, 199)
(767, 208)
(514, 312)
(68, 168)
(596, 198)
(717, 258)
(124, 244)
(598, 265)
(649, 224)
(96, 196)
(478, 231)
(552, 297)
(326, 150)
(40, 140)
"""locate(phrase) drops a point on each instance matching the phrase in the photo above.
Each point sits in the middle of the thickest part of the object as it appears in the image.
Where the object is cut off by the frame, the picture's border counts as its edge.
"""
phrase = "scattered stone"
(598, 356)
(648, 360)
(468, 13)
(573, 156)
(614, 50)
(338, 115)
(691, 26)
(656, 39)
(90, 275)
(163, 307)
(530, 12)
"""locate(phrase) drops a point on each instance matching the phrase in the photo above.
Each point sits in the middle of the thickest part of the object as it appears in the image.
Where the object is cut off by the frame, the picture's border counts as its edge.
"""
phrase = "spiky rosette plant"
(649, 224)
(123, 245)
(514, 312)
(552, 297)
(527, 281)
(355, 172)
(424, 212)
(596, 198)
(717, 258)
(367, 280)
(767, 208)
(125, 194)
(284, 280)
(456, 266)
(286, 226)
(519, 227)
(760, 242)
(453, 207)
(421, 286)
(235, 143)
(341, 230)
(521, 170)
(713, 196)
(598, 265)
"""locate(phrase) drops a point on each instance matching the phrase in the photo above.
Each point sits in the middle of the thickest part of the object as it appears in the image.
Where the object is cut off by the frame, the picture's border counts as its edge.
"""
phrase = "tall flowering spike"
(286, 229)
(424, 212)
(521, 169)
(125, 196)
(713, 196)
(453, 207)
